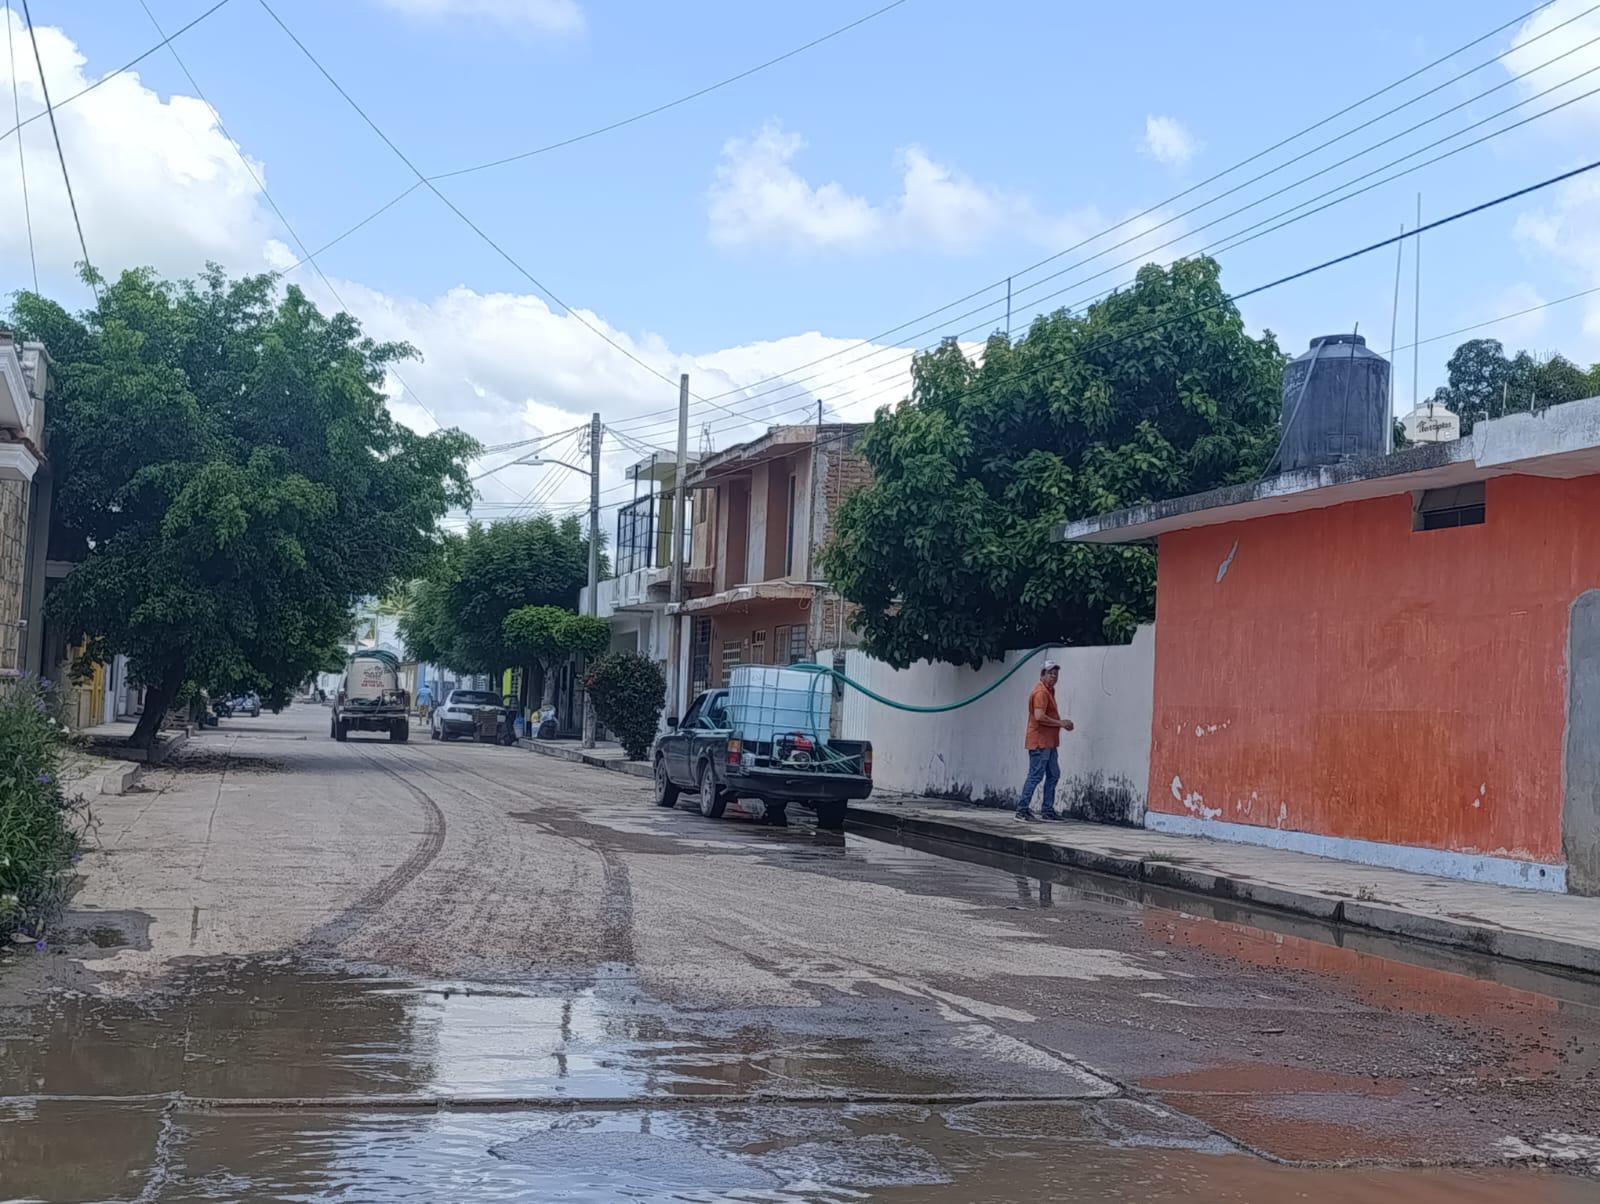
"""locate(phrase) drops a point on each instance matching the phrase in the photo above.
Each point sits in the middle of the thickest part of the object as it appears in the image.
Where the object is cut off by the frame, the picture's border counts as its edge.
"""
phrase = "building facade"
(25, 499)
(763, 511)
(1394, 660)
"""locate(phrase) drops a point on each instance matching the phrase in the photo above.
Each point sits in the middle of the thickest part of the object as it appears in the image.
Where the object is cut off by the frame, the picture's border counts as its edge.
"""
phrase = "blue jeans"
(1044, 764)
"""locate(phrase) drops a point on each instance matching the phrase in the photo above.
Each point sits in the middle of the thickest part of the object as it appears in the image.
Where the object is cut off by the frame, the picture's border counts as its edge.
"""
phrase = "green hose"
(813, 667)
(834, 762)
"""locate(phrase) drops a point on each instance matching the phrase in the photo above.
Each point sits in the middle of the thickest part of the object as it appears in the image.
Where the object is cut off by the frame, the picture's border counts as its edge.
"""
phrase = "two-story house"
(763, 511)
(25, 499)
(634, 597)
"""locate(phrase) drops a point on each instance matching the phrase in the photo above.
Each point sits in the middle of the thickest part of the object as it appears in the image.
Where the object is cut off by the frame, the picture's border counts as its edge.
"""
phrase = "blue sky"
(928, 152)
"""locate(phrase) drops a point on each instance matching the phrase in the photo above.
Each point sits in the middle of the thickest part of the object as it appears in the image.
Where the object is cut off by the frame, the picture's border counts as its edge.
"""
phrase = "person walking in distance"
(1045, 726)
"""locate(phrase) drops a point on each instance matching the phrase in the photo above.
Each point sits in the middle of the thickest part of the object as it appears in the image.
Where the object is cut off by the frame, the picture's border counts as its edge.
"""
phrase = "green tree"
(948, 552)
(548, 635)
(629, 691)
(231, 477)
(1484, 382)
(457, 610)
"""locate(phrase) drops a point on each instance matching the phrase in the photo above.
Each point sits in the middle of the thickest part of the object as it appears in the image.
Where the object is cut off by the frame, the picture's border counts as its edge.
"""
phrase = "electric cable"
(50, 110)
(22, 161)
(133, 62)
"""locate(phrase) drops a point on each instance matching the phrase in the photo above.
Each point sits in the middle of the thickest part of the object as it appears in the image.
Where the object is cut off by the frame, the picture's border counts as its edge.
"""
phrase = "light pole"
(596, 430)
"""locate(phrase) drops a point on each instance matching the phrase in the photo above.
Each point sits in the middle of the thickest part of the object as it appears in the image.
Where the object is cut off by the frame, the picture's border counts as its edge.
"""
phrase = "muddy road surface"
(302, 970)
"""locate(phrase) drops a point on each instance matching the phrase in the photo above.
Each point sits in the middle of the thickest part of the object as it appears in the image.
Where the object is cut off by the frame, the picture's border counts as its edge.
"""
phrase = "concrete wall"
(977, 752)
(1336, 682)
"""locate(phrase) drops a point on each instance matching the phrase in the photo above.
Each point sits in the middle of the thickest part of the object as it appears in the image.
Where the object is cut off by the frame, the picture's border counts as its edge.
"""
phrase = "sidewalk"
(1523, 925)
(606, 754)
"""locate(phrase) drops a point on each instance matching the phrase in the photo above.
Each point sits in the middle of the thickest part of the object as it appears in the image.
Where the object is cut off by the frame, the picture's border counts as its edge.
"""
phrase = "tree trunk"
(157, 698)
(548, 668)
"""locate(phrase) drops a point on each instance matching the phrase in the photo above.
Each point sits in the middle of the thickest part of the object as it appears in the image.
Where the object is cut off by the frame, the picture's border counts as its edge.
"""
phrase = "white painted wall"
(977, 752)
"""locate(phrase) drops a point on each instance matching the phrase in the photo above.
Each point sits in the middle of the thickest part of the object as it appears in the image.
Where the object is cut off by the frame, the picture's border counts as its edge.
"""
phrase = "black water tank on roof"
(1335, 404)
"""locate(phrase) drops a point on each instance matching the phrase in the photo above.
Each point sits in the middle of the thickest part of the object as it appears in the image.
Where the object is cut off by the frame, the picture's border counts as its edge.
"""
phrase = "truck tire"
(399, 732)
(713, 802)
(340, 730)
(666, 792)
(830, 816)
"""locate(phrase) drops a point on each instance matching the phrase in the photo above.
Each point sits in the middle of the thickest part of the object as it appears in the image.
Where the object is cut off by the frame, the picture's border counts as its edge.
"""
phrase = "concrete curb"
(571, 752)
(1511, 944)
(167, 743)
(117, 777)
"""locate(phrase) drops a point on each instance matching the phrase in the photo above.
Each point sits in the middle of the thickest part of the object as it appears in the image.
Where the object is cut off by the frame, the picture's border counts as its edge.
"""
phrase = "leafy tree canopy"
(549, 635)
(1487, 383)
(948, 553)
(232, 477)
(629, 692)
(458, 609)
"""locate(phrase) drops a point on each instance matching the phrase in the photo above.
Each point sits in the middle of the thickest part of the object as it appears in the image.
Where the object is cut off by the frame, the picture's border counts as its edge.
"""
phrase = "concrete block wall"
(976, 753)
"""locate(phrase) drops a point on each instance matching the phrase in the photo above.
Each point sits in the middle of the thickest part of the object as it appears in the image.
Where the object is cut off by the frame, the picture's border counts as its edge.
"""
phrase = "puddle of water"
(784, 1155)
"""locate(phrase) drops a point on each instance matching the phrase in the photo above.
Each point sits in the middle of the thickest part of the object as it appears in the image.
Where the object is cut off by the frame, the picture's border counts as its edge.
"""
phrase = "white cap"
(1047, 666)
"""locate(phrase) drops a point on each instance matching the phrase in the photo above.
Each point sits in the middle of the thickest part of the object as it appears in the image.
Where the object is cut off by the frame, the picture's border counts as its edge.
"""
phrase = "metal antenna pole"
(1416, 316)
(593, 608)
(1394, 331)
(680, 529)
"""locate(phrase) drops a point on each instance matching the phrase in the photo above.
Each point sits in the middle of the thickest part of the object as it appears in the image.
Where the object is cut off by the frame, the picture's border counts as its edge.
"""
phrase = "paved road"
(286, 951)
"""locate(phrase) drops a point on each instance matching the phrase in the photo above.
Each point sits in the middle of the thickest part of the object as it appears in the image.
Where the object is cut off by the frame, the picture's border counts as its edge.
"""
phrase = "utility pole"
(680, 496)
(1416, 314)
(594, 560)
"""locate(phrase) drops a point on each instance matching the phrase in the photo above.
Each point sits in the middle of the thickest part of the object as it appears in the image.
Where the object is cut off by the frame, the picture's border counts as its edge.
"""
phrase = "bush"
(40, 827)
(629, 691)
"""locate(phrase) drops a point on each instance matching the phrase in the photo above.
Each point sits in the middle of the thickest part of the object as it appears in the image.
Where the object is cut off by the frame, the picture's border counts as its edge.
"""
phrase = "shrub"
(40, 827)
(629, 691)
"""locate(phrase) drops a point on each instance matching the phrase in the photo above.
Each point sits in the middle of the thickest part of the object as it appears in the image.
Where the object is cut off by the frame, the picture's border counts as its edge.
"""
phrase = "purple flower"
(46, 684)
(44, 779)
(40, 945)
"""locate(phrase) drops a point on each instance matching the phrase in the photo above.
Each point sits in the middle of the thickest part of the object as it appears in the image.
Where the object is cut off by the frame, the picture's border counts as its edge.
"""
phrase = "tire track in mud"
(616, 902)
(340, 928)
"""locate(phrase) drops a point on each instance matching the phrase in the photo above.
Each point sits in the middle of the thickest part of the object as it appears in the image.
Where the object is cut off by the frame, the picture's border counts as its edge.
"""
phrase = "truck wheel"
(400, 732)
(340, 730)
(666, 792)
(830, 817)
(712, 801)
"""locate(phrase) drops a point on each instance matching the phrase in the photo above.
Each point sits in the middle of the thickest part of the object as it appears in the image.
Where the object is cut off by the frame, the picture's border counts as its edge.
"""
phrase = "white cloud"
(543, 16)
(1566, 230)
(1167, 140)
(758, 198)
(1544, 37)
(156, 182)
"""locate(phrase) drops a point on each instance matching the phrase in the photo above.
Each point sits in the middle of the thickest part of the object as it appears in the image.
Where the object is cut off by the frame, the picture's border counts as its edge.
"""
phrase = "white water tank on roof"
(765, 702)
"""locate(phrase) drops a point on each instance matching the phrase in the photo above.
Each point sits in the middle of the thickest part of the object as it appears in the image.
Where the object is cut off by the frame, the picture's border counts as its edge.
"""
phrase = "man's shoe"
(1025, 816)
(1049, 815)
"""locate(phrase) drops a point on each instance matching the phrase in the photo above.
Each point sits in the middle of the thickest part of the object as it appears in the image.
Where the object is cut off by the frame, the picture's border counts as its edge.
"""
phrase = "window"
(732, 657)
(700, 656)
(1453, 506)
(797, 644)
(758, 647)
(788, 543)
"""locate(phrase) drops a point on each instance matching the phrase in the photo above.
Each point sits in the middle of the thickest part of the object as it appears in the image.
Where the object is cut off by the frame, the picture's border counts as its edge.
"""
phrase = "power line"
(66, 178)
(1450, 334)
(788, 381)
(606, 129)
(262, 188)
(22, 162)
(1240, 237)
(874, 339)
(137, 59)
(671, 104)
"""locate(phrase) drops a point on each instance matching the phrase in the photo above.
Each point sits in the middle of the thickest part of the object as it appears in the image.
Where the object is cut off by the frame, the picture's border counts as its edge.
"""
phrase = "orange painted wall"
(1350, 677)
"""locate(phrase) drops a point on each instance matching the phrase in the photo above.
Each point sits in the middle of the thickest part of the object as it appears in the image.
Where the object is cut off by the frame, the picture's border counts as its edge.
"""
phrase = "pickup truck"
(700, 753)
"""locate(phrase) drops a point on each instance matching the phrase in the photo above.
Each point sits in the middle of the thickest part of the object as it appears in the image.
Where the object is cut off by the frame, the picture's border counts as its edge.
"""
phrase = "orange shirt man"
(1043, 741)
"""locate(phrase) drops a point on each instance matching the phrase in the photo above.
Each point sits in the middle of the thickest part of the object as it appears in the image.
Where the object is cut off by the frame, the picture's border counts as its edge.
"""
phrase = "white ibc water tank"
(765, 702)
(1432, 422)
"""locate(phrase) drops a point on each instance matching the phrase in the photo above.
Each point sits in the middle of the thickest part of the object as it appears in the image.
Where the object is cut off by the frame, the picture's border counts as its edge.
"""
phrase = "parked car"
(702, 754)
(245, 704)
(458, 715)
(369, 698)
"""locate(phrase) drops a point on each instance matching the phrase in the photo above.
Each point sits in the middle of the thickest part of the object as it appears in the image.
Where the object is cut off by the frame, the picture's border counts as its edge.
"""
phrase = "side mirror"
(672, 722)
